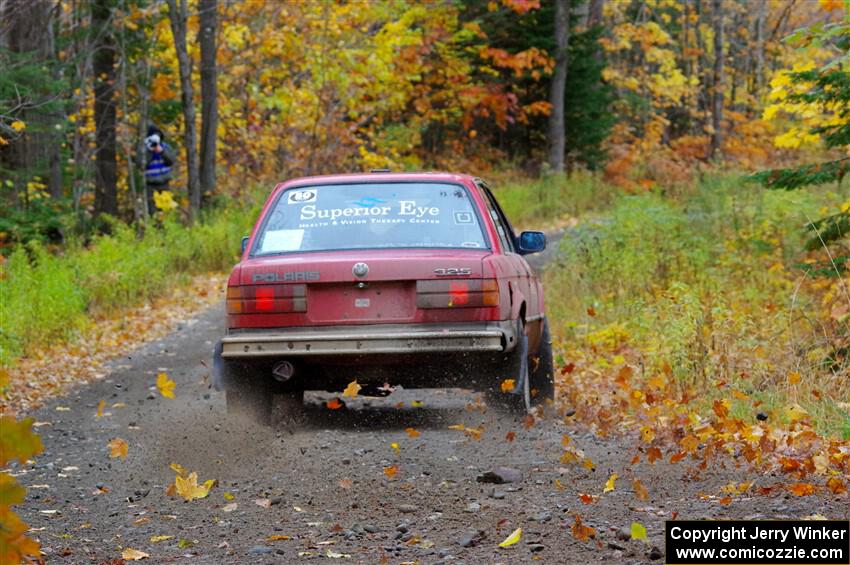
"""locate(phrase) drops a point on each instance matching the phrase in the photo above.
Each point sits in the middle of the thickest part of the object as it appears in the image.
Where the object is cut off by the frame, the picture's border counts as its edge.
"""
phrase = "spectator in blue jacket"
(159, 160)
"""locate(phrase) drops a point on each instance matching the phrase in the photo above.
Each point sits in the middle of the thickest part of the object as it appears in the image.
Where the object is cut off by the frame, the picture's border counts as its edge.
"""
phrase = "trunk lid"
(387, 293)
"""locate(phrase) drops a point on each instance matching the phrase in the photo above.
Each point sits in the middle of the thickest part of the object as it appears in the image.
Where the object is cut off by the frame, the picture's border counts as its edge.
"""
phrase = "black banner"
(757, 542)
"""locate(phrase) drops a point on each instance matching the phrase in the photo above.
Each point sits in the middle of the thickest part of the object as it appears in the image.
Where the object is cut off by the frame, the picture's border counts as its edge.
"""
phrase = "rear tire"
(518, 401)
(542, 375)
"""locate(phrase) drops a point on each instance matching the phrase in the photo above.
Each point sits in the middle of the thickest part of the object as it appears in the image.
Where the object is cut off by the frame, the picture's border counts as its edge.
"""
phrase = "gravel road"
(322, 489)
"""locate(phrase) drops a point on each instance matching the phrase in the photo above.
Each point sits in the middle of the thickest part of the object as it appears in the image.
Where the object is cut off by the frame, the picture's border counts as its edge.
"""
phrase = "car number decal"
(453, 271)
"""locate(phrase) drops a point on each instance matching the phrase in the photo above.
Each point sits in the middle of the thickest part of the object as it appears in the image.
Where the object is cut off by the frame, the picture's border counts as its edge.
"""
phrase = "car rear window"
(371, 216)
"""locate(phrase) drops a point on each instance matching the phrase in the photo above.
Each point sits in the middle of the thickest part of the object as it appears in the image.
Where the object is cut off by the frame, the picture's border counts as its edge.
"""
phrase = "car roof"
(376, 177)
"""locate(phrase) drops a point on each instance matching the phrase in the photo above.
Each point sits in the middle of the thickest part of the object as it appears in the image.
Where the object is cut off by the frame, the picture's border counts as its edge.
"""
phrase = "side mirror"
(245, 243)
(531, 242)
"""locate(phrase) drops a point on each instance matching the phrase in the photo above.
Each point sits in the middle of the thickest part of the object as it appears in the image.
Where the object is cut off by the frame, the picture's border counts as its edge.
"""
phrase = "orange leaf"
(591, 311)
(580, 531)
(725, 501)
(689, 443)
(391, 471)
(653, 454)
(587, 498)
(793, 377)
(334, 404)
(635, 460)
(836, 485)
(721, 408)
(412, 432)
(676, 457)
(100, 407)
(640, 490)
(118, 448)
(801, 489)
(510, 436)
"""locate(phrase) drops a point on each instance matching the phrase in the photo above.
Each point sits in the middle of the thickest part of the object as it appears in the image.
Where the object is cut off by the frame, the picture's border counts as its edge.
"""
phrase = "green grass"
(528, 202)
(46, 298)
(705, 284)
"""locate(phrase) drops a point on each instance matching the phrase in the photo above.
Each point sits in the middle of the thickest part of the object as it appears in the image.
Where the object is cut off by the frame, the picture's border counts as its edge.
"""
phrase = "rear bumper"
(370, 340)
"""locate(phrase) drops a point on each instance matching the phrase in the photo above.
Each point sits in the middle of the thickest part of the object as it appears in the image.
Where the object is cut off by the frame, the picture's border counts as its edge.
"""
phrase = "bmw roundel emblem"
(360, 270)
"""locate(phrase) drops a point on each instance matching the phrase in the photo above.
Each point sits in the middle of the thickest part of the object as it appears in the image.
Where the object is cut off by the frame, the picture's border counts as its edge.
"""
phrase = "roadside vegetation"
(674, 312)
(50, 298)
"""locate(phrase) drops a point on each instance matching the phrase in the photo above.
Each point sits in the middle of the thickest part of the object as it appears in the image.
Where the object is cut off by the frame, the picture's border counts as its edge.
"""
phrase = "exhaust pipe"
(283, 371)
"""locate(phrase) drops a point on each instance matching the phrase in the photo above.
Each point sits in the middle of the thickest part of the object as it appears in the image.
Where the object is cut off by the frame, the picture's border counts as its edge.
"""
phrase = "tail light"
(266, 299)
(462, 293)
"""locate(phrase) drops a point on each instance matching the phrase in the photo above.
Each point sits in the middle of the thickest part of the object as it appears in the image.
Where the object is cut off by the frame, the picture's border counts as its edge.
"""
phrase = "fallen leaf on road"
(638, 531)
(836, 485)
(118, 448)
(228, 496)
(334, 404)
(157, 539)
(263, 502)
(417, 404)
(395, 447)
(133, 554)
(801, 489)
(508, 385)
(230, 507)
(165, 385)
(725, 501)
(412, 432)
(391, 471)
(352, 389)
(647, 434)
(189, 489)
(640, 490)
(474, 433)
(559, 485)
(515, 536)
(335, 555)
(510, 436)
(277, 537)
(653, 454)
(184, 543)
(100, 406)
(580, 531)
(119, 405)
(345, 483)
(609, 485)
(587, 498)
(458, 427)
